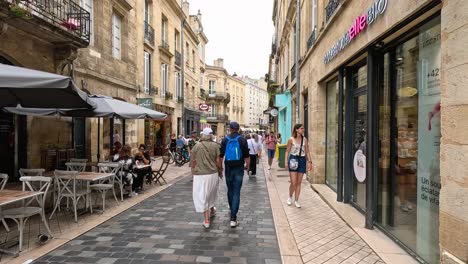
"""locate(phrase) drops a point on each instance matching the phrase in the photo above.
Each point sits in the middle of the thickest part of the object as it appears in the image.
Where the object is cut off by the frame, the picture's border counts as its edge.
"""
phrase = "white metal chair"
(67, 187)
(107, 184)
(78, 160)
(31, 172)
(3, 181)
(21, 214)
(76, 166)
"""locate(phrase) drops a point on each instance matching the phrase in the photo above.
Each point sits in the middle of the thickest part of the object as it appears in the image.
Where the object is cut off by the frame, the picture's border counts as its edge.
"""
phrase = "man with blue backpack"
(236, 156)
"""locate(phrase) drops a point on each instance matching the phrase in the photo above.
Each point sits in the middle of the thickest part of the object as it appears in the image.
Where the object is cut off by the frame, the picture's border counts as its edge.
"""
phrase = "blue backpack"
(233, 150)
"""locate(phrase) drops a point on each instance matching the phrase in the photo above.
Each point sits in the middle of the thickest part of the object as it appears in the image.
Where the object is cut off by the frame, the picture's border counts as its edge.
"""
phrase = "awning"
(105, 107)
(38, 89)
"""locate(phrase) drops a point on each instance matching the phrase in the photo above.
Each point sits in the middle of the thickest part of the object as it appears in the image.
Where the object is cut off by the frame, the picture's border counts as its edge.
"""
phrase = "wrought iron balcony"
(54, 21)
(202, 94)
(178, 58)
(293, 72)
(312, 38)
(164, 48)
(149, 33)
(331, 8)
(219, 96)
(216, 118)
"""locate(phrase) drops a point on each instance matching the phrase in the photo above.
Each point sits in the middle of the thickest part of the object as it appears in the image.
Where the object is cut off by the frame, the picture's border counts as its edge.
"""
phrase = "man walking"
(235, 152)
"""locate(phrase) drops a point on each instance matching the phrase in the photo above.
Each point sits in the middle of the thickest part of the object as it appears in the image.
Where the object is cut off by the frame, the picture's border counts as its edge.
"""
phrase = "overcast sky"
(239, 31)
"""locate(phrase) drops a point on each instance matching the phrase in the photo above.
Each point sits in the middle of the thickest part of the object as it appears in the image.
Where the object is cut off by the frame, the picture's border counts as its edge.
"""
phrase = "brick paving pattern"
(321, 235)
(165, 229)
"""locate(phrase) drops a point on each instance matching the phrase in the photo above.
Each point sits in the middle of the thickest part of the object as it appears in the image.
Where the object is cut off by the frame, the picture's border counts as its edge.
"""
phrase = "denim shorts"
(302, 166)
(271, 153)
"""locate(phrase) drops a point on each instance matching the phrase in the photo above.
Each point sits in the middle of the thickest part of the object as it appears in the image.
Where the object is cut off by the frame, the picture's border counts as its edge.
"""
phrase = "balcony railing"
(165, 48)
(64, 14)
(216, 118)
(178, 58)
(312, 38)
(218, 95)
(202, 94)
(331, 8)
(293, 72)
(149, 33)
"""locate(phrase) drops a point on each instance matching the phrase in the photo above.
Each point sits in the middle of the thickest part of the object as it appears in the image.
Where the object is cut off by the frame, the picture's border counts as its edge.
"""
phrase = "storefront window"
(412, 216)
(332, 134)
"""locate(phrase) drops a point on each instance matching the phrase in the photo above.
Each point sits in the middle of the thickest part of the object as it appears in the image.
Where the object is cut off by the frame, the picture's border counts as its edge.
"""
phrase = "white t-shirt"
(253, 146)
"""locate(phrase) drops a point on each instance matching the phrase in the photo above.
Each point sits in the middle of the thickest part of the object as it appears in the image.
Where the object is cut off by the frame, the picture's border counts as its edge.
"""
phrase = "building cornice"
(176, 8)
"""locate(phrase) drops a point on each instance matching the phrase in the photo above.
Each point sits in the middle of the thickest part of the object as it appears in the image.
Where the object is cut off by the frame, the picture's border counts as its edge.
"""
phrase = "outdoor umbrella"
(38, 89)
(105, 107)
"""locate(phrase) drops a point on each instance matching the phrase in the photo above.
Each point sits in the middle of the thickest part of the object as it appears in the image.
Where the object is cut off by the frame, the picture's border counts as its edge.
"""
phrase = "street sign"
(203, 107)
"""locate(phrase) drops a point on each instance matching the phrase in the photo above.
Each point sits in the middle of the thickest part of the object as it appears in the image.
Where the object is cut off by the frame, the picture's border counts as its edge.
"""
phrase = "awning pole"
(98, 139)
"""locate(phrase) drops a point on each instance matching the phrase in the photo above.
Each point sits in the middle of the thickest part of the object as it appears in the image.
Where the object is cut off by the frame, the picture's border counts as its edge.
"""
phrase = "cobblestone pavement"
(165, 229)
(321, 235)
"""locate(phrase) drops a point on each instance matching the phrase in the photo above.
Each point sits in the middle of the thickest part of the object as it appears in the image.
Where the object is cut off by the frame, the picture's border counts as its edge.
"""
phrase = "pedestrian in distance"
(206, 172)
(271, 142)
(253, 152)
(297, 160)
(279, 139)
(235, 152)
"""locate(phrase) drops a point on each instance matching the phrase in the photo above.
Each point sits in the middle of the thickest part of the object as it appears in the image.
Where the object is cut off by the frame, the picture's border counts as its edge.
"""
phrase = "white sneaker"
(233, 223)
(206, 224)
(289, 201)
(250, 174)
(132, 194)
(297, 204)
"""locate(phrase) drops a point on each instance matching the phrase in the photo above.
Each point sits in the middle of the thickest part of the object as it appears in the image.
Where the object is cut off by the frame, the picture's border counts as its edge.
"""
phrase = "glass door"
(359, 137)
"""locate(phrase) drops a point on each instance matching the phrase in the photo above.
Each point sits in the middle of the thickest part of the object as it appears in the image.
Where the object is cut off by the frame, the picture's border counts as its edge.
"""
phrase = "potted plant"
(17, 10)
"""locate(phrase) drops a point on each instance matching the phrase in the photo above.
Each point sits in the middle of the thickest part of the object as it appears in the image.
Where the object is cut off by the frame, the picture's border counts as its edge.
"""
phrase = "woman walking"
(297, 160)
(271, 142)
(254, 146)
(205, 173)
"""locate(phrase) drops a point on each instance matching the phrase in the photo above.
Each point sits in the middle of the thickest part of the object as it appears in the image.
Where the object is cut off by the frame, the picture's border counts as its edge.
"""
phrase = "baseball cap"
(234, 125)
(207, 131)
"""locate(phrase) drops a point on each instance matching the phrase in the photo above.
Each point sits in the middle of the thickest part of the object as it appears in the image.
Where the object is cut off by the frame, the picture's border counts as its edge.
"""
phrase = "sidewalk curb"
(63, 238)
(286, 241)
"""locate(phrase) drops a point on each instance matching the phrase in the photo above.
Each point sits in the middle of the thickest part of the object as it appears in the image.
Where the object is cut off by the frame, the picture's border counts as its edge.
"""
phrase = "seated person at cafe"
(141, 158)
(116, 152)
(127, 172)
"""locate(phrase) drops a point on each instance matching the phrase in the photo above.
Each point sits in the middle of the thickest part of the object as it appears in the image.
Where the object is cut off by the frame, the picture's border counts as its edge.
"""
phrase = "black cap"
(234, 125)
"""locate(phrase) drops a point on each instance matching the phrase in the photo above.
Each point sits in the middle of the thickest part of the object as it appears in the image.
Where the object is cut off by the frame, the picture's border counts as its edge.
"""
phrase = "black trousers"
(138, 181)
(253, 164)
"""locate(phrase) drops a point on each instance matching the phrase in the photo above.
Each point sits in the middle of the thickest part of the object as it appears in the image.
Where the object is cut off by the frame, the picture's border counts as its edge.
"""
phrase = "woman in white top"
(252, 144)
(297, 159)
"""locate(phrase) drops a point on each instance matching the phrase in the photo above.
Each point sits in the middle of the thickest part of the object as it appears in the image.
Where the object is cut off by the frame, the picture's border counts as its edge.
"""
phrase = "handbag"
(294, 163)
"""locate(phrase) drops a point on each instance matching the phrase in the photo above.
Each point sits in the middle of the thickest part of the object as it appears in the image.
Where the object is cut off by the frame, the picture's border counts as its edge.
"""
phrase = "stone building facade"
(256, 102)
(30, 39)
(218, 96)
(236, 88)
(384, 112)
(108, 67)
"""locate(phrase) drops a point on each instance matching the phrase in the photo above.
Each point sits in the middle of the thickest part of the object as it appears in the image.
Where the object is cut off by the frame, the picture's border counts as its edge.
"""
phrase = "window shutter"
(116, 36)
(147, 80)
(314, 14)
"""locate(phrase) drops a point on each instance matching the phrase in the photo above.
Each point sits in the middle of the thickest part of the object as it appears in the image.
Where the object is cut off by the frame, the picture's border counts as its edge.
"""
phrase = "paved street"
(165, 229)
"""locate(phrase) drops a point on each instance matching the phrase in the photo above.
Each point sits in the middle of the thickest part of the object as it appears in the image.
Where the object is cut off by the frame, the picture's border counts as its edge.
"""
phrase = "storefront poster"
(359, 164)
(428, 141)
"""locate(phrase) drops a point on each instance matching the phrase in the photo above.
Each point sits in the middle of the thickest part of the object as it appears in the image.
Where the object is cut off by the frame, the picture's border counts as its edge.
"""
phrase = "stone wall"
(454, 146)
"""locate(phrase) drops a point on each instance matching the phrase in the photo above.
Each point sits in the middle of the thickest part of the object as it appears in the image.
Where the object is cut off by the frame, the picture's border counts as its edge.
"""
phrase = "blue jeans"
(234, 177)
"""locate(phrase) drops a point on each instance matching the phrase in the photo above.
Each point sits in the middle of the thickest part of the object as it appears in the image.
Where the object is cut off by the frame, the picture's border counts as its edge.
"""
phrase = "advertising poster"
(428, 141)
